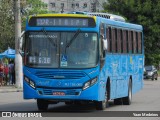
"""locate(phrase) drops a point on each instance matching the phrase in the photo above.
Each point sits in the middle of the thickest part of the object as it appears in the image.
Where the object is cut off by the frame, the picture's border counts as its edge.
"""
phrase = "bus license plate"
(59, 93)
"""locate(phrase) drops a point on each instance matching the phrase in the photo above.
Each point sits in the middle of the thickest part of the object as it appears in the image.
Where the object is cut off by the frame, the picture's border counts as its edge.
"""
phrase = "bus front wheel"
(101, 105)
(42, 104)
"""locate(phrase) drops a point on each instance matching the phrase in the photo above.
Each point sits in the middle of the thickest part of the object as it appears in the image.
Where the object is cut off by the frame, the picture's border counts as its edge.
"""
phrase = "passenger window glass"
(139, 42)
(108, 30)
(124, 41)
(129, 42)
(113, 40)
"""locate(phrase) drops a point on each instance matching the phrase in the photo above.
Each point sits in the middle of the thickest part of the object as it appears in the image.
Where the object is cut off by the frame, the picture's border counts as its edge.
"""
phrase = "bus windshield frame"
(49, 49)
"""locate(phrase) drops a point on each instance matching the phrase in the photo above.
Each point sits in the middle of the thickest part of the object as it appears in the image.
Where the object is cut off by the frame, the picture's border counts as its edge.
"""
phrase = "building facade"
(75, 5)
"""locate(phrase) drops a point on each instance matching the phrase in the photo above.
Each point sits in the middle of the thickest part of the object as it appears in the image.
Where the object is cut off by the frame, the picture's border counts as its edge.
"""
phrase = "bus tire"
(42, 104)
(118, 101)
(127, 100)
(101, 105)
(77, 102)
(68, 102)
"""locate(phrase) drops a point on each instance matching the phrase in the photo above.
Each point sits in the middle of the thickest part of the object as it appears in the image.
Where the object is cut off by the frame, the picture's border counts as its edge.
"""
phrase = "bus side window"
(108, 36)
(110, 39)
(134, 43)
(129, 42)
(119, 41)
(124, 41)
(102, 29)
(113, 40)
(139, 42)
(102, 35)
(116, 40)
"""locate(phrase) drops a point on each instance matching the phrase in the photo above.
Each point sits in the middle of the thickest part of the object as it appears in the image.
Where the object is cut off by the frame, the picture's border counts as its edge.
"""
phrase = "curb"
(6, 91)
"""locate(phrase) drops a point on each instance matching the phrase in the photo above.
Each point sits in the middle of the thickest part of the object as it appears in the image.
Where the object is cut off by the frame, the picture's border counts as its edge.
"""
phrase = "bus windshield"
(55, 49)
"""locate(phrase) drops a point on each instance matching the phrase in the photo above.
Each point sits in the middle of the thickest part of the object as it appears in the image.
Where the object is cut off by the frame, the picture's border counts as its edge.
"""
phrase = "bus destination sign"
(61, 22)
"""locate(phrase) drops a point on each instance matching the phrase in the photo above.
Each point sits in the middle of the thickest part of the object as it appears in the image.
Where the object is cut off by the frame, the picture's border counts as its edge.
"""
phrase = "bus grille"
(60, 74)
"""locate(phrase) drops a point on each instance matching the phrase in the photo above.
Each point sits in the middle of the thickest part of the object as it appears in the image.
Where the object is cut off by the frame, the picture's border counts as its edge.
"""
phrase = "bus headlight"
(89, 83)
(30, 82)
(86, 85)
(26, 79)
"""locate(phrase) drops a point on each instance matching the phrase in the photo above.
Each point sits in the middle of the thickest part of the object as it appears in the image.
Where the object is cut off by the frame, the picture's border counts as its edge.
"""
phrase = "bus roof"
(109, 21)
(62, 15)
(119, 24)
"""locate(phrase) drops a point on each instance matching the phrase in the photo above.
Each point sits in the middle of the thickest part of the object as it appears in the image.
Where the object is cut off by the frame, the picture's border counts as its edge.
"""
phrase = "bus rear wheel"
(42, 104)
(118, 101)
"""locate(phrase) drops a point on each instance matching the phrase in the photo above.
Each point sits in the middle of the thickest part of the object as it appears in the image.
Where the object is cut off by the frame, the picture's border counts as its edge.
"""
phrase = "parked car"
(150, 72)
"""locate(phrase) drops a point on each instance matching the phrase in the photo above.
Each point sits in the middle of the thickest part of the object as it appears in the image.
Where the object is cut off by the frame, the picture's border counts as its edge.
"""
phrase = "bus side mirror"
(103, 49)
(105, 44)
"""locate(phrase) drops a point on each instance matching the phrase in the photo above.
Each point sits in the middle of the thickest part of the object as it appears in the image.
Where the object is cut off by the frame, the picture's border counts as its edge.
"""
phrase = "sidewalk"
(10, 88)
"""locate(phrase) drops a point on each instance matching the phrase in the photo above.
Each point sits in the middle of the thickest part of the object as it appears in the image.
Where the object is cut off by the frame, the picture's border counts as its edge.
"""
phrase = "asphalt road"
(148, 99)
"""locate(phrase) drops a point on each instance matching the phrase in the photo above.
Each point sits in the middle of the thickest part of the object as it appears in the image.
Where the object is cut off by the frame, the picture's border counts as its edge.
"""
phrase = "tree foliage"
(32, 7)
(28, 7)
(146, 13)
(6, 25)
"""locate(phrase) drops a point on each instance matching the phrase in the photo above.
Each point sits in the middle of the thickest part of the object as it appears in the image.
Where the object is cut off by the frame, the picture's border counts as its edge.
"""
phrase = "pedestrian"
(11, 65)
(6, 72)
(13, 75)
(1, 72)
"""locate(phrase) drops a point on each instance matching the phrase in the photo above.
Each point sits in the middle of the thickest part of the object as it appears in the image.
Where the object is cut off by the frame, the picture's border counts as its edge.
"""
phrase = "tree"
(28, 7)
(146, 13)
(6, 25)
(32, 7)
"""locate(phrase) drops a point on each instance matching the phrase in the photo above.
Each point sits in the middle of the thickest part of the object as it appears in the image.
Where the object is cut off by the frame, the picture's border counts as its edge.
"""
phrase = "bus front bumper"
(90, 93)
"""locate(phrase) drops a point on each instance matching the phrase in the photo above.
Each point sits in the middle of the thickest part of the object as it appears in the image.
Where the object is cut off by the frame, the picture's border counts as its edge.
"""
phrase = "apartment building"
(75, 5)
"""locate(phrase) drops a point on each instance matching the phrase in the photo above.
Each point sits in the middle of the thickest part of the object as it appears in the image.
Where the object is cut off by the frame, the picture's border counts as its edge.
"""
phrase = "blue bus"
(82, 57)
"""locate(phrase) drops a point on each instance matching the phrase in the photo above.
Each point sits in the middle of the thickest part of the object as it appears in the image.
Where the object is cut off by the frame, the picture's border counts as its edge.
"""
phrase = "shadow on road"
(72, 108)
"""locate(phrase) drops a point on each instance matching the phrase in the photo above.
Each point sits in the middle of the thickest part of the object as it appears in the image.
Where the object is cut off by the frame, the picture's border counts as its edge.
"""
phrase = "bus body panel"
(119, 68)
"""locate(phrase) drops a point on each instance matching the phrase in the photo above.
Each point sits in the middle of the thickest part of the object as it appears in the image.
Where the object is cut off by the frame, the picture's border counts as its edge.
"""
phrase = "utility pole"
(18, 58)
(96, 1)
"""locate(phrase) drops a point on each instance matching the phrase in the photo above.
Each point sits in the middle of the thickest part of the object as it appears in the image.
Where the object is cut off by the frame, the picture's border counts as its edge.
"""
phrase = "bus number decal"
(39, 60)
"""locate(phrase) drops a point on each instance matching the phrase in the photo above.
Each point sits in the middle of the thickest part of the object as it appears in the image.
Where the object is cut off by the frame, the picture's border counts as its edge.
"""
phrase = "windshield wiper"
(73, 38)
(50, 39)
